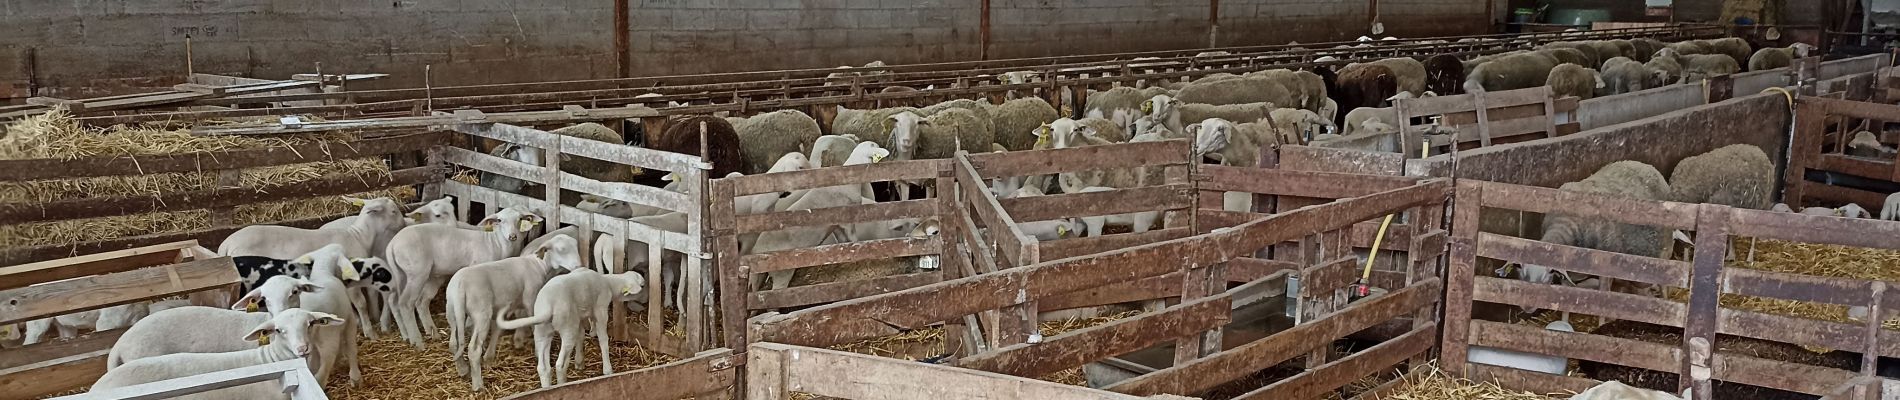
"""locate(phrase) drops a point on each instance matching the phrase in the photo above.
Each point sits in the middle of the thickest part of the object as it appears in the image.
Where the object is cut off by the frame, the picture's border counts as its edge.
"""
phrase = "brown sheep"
(1444, 74)
(682, 136)
(1365, 85)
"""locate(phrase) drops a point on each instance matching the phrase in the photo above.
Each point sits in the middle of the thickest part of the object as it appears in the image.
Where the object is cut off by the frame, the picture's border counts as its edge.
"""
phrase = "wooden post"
(1870, 355)
(551, 175)
(1698, 333)
(693, 273)
(1810, 124)
(732, 276)
(1459, 277)
(949, 259)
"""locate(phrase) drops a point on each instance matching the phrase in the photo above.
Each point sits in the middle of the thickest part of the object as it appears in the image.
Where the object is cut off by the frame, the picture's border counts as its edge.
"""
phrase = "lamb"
(1517, 71)
(1521, 360)
(1296, 126)
(1015, 120)
(1574, 80)
(613, 208)
(1866, 144)
(196, 329)
(427, 254)
(1409, 73)
(809, 236)
(1628, 179)
(1138, 221)
(440, 210)
(561, 306)
(283, 242)
(105, 319)
(1623, 75)
(1445, 74)
(329, 273)
(613, 250)
(1357, 120)
(1614, 390)
(254, 270)
(1778, 57)
(285, 336)
(1696, 67)
(481, 293)
(1850, 210)
(1890, 210)
(766, 137)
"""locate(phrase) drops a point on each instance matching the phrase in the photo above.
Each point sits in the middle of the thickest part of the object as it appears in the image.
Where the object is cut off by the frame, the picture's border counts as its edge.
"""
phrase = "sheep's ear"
(1088, 131)
(304, 286)
(249, 303)
(488, 224)
(324, 319)
(1194, 129)
(541, 251)
(261, 334)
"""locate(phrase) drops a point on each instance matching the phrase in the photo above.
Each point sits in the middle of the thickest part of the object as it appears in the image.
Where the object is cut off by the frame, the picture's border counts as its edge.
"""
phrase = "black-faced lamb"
(481, 293)
(1444, 74)
(286, 336)
(429, 254)
(562, 305)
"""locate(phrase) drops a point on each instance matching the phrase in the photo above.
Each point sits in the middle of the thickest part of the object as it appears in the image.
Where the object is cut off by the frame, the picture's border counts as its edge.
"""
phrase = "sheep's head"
(790, 162)
(903, 129)
(293, 330)
(631, 283)
(1801, 50)
(277, 294)
(1210, 136)
(560, 253)
(603, 205)
(376, 274)
(1852, 210)
(925, 228)
(511, 223)
(436, 211)
(329, 258)
(1061, 134)
(1160, 105)
(380, 211)
(866, 153)
(1781, 207)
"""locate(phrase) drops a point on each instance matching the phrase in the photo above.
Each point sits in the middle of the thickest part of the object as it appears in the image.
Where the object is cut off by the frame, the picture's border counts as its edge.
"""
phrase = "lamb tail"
(505, 323)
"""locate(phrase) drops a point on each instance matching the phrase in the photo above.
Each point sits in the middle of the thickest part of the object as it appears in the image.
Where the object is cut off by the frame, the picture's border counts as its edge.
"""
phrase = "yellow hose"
(1784, 93)
(1425, 150)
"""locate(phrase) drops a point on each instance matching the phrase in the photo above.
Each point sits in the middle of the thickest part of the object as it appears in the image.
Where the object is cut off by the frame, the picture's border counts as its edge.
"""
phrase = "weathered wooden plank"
(1158, 287)
(17, 255)
(48, 377)
(495, 126)
(631, 193)
(1337, 374)
(1578, 300)
(1119, 201)
(1816, 229)
(15, 213)
(835, 291)
(494, 165)
(34, 169)
(757, 223)
(1589, 261)
(1856, 166)
(1660, 357)
(99, 291)
(1819, 193)
(96, 342)
(864, 377)
(1246, 269)
(1535, 382)
(1075, 159)
(1298, 183)
(1330, 275)
(1583, 205)
(1207, 372)
(92, 264)
(1017, 248)
(1855, 109)
(1467, 102)
(1065, 248)
(840, 253)
(1819, 289)
(707, 372)
(832, 176)
(1072, 349)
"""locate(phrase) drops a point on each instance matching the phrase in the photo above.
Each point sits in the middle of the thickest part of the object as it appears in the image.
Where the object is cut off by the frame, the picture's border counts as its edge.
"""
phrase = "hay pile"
(1816, 260)
(1430, 383)
(57, 135)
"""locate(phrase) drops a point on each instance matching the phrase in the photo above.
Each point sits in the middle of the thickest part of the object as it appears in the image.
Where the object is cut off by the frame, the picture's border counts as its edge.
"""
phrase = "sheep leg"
(406, 316)
(569, 336)
(428, 318)
(780, 279)
(36, 330)
(600, 338)
(388, 311)
(1095, 225)
(349, 350)
(360, 303)
(456, 345)
(478, 336)
(66, 331)
(543, 338)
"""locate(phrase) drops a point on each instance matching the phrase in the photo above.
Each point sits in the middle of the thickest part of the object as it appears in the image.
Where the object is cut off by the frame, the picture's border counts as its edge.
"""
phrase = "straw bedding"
(57, 135)
(394, 370)
(1430, 383)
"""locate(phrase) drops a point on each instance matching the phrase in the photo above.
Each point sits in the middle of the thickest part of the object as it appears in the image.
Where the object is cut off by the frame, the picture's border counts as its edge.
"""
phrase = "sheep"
(254, 270)
(945, 132)
(426, 254)
(830, 151)
(723, 147)
(1015, 121)
(867, 125)
(105, 319)
(1737, 175)
(561, 306)
(1171, 112)
(766, 137)
(1517, 71)
(1623, 75)
(1735, 48)
(599, 170)
(373, 294)
(1295, 126)
(479, 294)
(1604, 50)
(1366, 85)
(1408, 72)
(614, 208)
(1444, 74)
(1850, 210)
(612, 249)
(1614, 390)
(1628, 179)
(1569, 56)
(329, 273)
(440, 210)
(1890, 210)
(1666, 66)
(1778, 57)
(1137, 221)
(1120, 104)
(1574, 80)
(285, 336)
(285, 242)
(1521, 360)
(806, 236)
(1866, 144)
(1696, 67)
(1356, 120)
(1687, 47)
(980, 108)
(195, 329)
(1280, 87)
(1644, 48)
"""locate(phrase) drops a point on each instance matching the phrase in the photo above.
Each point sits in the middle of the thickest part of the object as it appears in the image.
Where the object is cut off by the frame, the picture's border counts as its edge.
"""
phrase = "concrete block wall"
(76, 48)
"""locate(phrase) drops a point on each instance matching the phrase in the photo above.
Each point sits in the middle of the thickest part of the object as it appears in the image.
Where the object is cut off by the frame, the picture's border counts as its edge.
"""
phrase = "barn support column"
(1213, 23)
(623, 40)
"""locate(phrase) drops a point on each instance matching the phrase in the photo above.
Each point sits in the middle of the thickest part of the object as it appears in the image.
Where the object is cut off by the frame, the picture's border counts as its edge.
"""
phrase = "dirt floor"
(394, 370)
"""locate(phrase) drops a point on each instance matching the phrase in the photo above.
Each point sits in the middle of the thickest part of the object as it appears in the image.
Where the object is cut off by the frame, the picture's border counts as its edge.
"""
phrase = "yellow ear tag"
(301, 260)
(1147, 107)
(626, 289)
(488, 228)
(356, 202)
(250, 306)
(1062, 231)
(877, 157)
(263, 340)
(524, 225)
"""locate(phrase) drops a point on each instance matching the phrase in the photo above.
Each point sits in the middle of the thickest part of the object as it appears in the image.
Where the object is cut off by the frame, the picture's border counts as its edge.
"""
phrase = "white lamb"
(104, 319)
(562, 305)
(612, 251)
(1890, 211)
(330, 272)
(285, 336)
(428, 254)
(283, 242)
(481, 293)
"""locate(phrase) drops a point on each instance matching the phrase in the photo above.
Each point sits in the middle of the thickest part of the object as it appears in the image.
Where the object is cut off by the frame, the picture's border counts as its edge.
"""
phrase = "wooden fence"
(1820, 170)
(293, 376)
(781, 371)
(710, 374)
(689, 200)
(1700, 318)
(57, 287)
